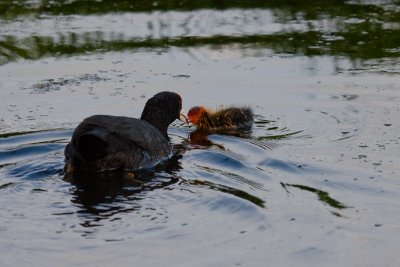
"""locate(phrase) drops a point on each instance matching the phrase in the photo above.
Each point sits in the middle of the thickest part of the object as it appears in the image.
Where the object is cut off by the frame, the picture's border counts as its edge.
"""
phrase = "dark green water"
(315, 182)
(336, 28)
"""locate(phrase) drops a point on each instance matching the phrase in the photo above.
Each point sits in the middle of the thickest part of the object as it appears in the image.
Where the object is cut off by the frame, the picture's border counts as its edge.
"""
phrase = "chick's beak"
(183, 117)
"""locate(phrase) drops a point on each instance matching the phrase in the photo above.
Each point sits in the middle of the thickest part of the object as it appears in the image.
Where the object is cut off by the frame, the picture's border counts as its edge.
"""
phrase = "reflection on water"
(260, 135)
(225, 189)
(94, 188)
(113, 187)
(200, 138)
(314, 182)
(211, 177)
(352, 30)
(33, 156)
(322, 195)
(309, 9)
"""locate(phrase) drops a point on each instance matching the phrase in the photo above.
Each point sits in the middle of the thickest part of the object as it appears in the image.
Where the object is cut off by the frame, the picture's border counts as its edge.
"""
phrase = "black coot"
(103, 142)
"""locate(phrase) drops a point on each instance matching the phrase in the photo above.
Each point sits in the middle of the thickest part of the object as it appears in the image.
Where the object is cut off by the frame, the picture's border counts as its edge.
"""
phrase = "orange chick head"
(195, 113)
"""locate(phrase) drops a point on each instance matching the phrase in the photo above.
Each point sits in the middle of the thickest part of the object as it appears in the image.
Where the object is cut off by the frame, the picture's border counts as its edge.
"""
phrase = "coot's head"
(162, 109)
(195, 113)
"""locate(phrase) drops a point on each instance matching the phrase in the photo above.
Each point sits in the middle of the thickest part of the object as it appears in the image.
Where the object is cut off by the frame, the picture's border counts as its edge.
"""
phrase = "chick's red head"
(195, 113)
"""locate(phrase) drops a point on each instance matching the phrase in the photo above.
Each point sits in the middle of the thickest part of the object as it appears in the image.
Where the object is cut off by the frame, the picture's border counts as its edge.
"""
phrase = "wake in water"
(234, 163)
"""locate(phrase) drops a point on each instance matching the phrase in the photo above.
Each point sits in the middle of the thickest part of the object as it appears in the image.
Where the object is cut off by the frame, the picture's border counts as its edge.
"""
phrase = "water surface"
(313, 183)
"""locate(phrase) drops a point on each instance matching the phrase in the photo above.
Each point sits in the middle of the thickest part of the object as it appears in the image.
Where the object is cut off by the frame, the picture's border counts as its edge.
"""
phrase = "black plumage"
(104, 142)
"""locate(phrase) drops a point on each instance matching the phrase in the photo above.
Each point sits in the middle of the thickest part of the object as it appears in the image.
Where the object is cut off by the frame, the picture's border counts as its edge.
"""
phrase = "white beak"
(183, 117)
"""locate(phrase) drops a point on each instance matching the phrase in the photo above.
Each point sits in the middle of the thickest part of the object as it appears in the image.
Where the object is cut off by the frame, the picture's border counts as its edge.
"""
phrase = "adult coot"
(103, 142)
(222, 119)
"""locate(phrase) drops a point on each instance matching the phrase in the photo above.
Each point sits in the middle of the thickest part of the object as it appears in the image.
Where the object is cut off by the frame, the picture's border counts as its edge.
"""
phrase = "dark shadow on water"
(93, 188)
(102, 195)
(37, 156)
(263, 133)
(200, 138)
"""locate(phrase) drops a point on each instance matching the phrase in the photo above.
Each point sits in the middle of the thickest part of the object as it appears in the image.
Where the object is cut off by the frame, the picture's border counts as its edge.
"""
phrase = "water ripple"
(225, 183)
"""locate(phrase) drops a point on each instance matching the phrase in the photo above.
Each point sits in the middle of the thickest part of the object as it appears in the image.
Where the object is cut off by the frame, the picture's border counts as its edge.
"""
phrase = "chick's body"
(221, 119)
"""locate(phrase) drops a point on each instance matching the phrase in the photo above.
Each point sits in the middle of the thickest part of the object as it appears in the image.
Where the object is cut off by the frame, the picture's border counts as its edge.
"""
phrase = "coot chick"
(222, 119)
(104, 142)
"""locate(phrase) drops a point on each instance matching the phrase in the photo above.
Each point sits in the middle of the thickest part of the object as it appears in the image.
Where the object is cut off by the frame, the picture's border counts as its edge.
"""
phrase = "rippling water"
(313, 183)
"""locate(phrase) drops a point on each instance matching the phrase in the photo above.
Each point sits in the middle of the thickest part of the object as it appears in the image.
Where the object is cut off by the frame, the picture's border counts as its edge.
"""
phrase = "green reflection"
(354, 31)
(309, 8)
(322, 195)
(229, 190)
(278, 136)
(309, 44)
(232, 175)
(13, 134)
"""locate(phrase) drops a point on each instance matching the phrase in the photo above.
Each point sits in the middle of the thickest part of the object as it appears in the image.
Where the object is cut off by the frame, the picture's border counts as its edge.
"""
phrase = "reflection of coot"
(222, 119)
(93, 188)
(104, 142)
(200, 137)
